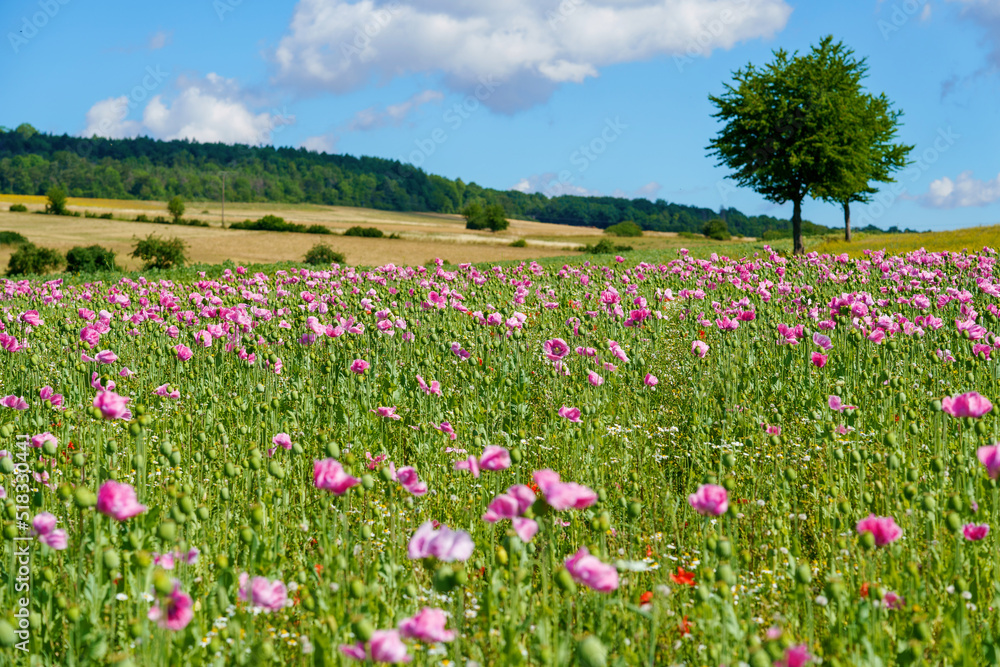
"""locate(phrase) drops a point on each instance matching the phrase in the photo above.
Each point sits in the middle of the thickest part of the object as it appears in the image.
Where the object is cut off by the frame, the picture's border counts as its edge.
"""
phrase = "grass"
(971, 238)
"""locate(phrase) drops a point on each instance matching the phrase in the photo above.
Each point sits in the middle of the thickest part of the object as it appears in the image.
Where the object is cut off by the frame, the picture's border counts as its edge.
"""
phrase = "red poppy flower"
(864, 590)
(685, 626)
(649, 551)
(682, 577)
(646, 597)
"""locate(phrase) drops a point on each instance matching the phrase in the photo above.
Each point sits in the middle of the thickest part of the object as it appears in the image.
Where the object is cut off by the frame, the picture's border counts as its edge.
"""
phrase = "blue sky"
(558, 96)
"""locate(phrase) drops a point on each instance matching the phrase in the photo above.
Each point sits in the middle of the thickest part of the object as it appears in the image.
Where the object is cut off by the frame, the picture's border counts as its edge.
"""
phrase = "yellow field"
(972, 239)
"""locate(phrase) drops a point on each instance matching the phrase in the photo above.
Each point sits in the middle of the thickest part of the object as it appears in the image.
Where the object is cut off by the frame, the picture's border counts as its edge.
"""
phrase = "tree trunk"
(797, 247)
(847, 221)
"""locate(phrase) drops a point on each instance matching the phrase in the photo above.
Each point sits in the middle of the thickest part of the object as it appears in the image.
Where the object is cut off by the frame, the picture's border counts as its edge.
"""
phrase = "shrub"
(56, 201)
(160, 220)
(520, 243)
(90, 259)
(18, 208)
(105, 216)
(626, 228)
(367, 232)
(176, 208)
(716, 229)
(160, 253)
(317, 229)
(605, 247)
(32, 259)
(690, 235)
(321, 253)
(12, 238)
(142, 217)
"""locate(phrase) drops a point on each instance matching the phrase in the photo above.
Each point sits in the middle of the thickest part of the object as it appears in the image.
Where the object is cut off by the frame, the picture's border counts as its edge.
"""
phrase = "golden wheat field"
(972, 239)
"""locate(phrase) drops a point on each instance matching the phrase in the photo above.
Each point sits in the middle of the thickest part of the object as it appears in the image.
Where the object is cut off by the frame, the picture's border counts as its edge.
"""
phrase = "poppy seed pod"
(591, 652)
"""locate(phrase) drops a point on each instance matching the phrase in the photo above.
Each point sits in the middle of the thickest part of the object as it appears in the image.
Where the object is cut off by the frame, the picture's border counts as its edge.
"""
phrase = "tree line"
(33, 162)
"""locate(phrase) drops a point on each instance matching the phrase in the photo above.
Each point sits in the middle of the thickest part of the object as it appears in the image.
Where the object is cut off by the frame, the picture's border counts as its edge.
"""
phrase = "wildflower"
(118, 501)
(970, 404)
(183, 352)
(408, 478)
(112, 406)
(974, 533)
(709, 499)
(837, 404)
(650, 380)
(282, 440)
(555, 349)
(699, 348)
(595, 379)
(38, 440)
(385, 646)
(591, 571)
(989, 456)
(883, 529)
(494, 458)
(45, 527)
(795, 656)
(444, 544)
(359, 366)
(330, 475)
(173, 611)
(563, 495)
(263, 593)
(427, 626)
(572, 414)
(819, 360)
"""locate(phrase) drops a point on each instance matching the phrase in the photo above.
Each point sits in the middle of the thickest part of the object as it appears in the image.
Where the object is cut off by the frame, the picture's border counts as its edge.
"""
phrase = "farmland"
(674, 461)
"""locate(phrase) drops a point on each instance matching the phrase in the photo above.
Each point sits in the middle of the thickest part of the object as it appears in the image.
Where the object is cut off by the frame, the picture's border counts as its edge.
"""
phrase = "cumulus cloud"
(207, 110)
(963, 191)
(374, 118)
(550, 185)
(322, 143)
(531, 45)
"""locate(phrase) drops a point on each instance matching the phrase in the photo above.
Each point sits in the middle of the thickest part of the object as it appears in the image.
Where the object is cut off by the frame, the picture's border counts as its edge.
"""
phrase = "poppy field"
(680, 461)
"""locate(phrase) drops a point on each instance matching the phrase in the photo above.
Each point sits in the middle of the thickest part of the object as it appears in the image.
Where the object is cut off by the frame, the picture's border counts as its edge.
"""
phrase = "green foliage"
(158, 253)
(273, 223)
(90, 259)
(18, 208)
(367, 232)
(716, 229)
(12, 238)
(520, 243)
(30, 259)
(791, 128)
(490, 217)
(626, 228)
(605, 247)
(147, 169)
(56, 201)
(176, 208)
(323, 254)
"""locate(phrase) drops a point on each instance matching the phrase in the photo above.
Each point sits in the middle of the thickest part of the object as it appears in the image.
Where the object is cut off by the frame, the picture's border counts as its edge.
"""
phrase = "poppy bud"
(803, 574)
(634, 509)
(565, 582)
(143, 558)
(367, 482)
(501, 555)
(275, 470)
(723, 548)
(246, 535)
(363, 629)
(867, 540)
(516, 455)
(954, 522)
(366, 532)
(728, 460)
(84, 497)
(7, 636)
(162, 582)
(592, 652)
(111, 559)
(333, 450)
(724, 573)
(356, 589)
(78, 460)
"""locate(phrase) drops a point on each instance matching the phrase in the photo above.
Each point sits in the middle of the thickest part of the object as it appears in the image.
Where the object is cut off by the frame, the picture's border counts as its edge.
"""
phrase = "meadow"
(658, 459)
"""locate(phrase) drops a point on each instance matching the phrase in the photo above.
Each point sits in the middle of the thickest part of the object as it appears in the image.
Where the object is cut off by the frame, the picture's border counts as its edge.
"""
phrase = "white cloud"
(549, 185)
(323, 143)
(647, 191)
(107, 118)
(159, 39)
(209, 110)
(531, 45)
(963, 191)
(373, 118)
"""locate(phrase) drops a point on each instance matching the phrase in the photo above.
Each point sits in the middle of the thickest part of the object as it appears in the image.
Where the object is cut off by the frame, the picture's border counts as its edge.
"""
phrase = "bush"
(176, 208)
(272, 223)
(317, 229)
(367, 232)
(605, 247)
(691, 235)
(18, 208)
(142, 217)
(12, 238)
(626, 228)
(492, 217)
(105, 216)
(160, 253)
(520, 243)
(323, 254)
(716, 229)
(31, 259)
(56, 201)
(90, 259)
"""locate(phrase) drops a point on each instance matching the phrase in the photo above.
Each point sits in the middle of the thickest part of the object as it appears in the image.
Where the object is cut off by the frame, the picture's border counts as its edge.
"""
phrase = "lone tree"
(792, 130)
(176, 208)
(56, 204)
(491, 217)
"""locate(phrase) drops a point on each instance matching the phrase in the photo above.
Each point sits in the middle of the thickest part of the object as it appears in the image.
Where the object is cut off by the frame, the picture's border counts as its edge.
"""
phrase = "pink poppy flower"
(819, 360)
(974, 533)
(709, 499)
(444, 544)
(822, 341)
(263, 593)
(795, 656)
(31, 317)
(494, 458)
(328, 474)
(112, 406)
(893, 601)
(563, 495)
(471, 464)
(595, 379)
(388, 413)
(183, 352)
(359, 366)
(971, 404)
(282, 440)
(427, 626)
(408, 478)
(591, 571)
(699, 348)
(650, 380)
(125, 372)
(445, 427)
(385, 646)
(837, 404)
(433, 388)
(46, 393)
(44, 525)
(118, 501)
(173, 611)
(883, 529)
(106, 357)
(555, 349)
(38, 440)
(989, 456)
(14, 402)
(572, 414)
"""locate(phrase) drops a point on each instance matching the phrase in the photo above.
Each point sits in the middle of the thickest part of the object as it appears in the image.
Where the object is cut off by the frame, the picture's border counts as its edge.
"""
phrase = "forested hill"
(31, 162)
